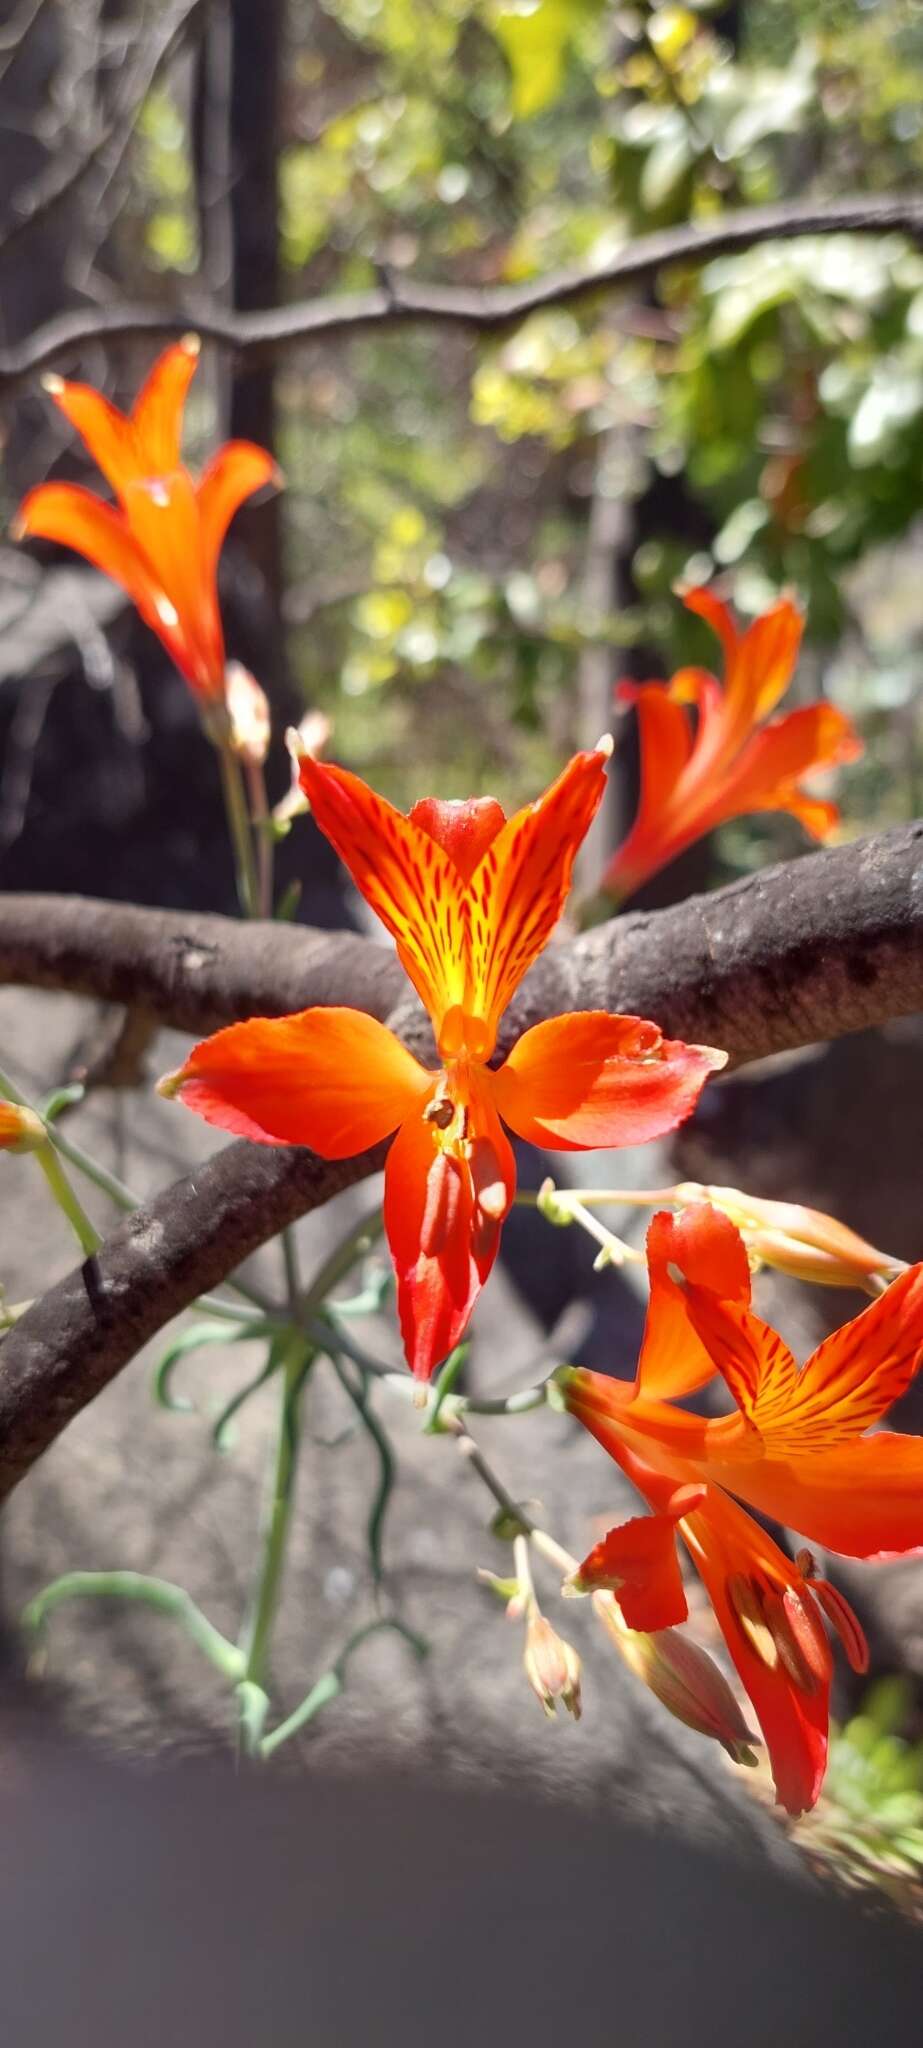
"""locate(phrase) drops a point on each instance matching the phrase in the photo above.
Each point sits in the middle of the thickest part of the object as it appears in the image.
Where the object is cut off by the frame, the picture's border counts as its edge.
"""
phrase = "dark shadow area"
(202, 1907)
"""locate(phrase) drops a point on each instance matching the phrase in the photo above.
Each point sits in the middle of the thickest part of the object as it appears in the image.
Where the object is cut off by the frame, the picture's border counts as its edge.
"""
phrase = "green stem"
(235, 806)
(86, 1233)
(341, 1262)
(290, 1261)
(265, 847)
(277, 1514)
(158, 1593)
(332, 1682)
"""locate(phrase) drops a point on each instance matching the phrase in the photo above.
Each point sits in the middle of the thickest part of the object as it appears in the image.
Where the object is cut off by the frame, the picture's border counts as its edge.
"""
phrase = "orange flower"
(470, 898)
(794, 1449)
(162, 541)
(734, 761)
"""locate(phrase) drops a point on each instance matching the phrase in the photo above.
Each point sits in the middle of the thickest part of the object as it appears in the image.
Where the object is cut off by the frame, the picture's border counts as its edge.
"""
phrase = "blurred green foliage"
(762, 417)
(868, 1827)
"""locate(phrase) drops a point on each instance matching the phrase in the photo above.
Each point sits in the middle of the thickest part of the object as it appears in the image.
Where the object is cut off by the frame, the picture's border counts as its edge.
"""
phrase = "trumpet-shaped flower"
(736, 758)
(795, 1448)
(162, 539)
(470, 898)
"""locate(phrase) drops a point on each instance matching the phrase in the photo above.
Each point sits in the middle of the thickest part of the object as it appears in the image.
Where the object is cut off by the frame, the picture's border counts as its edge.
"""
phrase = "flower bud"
(684, 1679)
(552, 1666)
(20, 1129)
(310, 737)
(248, 710)
(805, 1243)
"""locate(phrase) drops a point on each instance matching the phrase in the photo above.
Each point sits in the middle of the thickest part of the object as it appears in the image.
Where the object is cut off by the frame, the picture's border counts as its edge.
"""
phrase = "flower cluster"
(470, 898)
(795, 1448)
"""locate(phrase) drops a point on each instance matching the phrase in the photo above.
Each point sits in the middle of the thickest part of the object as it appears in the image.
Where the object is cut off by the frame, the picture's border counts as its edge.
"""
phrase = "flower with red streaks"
(470, 898)
(794, 1448)
(162, 539)
(736, 758)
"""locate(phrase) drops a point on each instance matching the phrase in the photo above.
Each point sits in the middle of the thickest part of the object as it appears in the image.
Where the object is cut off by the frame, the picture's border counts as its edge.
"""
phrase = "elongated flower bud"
(248, 711)
(684, 1679)
(803, 1242)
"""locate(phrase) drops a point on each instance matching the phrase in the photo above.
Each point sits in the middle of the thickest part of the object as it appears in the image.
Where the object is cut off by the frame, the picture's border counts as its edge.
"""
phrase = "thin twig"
(490, 309)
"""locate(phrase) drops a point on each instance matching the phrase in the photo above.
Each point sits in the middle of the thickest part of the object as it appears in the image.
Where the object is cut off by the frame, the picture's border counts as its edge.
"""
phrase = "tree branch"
(811, 949)
(190, 969)
(401, 302)
(803, 951)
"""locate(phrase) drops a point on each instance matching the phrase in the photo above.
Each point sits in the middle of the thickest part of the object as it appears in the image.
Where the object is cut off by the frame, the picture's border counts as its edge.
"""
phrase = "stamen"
(489, 1187)
(847, 1625)
(744, 1597)
(789, 1644)
(439, 1111)
(806, 1626)
(485, 1232)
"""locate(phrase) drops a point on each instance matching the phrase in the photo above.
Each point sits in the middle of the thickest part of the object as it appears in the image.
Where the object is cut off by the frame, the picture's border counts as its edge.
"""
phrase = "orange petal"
(105, 432)
(464, 828)
(70, 515)
(637, 1434)
(759, 662)
(591, 1079)
(405, 877)
(665, 740)
(704, 1246)
(164, 518)
(848, 1383)
(235, 471)
(638, 1563)
(157, 413)
(863, 1499)
(443, 1245)
(329, 1078)
(767, 772)
(728, 1547)
(520, 887)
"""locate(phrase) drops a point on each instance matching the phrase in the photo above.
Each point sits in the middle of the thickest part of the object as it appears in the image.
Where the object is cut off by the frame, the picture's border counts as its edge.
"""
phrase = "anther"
(744, 1597)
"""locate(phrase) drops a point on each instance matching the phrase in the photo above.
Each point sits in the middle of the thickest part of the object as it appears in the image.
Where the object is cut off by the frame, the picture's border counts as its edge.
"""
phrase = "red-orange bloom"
(162, 540)
(732, 761)
(795, 1449)
(470, 898)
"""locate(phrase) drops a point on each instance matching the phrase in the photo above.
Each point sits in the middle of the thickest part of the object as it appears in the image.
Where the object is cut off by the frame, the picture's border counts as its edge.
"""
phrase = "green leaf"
(194, 1339)
(534, 36)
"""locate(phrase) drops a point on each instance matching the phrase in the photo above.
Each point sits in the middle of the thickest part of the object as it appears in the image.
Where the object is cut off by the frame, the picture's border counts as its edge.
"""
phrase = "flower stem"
(265, 849)
(235, 806)
(277, 1515)
(157, 1593)
(86, 1233)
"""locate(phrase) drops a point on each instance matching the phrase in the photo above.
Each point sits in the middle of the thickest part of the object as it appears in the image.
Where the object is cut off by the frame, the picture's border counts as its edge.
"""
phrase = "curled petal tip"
(169, 1085)
(714, 1056)
(605, 746)
(191, 344)
(18, 528)
(52, 383)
